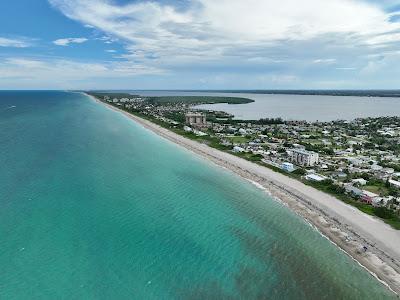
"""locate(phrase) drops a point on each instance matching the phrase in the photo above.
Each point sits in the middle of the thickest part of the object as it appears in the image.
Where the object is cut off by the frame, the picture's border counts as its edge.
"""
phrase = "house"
(242, 131)
(339, 174)
(389, 171)
(368, 196)
(353, 190)
(376, 168)
(199, 133)
(315, 177)
(288, 167)
(298, 146)
(355, 161)
(394, 183)
(379, 201)
(238, 149)
(360, 181)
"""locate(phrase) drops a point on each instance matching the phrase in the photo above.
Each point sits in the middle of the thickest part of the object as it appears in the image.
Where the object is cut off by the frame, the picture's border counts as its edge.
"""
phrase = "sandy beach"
(344, 225)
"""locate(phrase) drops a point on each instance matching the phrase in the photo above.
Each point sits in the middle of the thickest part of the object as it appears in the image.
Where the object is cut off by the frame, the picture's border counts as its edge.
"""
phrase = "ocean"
(93, 206)
(296, 107)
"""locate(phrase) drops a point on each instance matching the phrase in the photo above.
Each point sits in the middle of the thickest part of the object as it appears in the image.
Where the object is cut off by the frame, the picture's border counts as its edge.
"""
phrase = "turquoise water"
(92, 206)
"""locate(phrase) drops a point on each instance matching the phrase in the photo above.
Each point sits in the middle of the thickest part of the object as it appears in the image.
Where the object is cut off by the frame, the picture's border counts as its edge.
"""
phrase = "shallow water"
(95, 207)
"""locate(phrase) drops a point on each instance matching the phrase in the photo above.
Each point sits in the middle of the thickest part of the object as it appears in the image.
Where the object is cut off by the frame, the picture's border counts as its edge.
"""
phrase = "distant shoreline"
(345, 226)
(343, 93)
(346, 93)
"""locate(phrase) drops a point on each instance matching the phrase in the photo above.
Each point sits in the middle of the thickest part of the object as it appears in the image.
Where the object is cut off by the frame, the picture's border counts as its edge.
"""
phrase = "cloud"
(14, 43)
(67, 41)
(280, 41)
(214, 28)
(107, 39)
(64, 73)
(242, 43)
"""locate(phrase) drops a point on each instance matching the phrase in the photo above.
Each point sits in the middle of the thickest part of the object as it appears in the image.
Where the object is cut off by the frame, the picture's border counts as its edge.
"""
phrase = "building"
(368, 197)
(288, 167)
(196, 119)
(360, 181)
(304, 158)
(380, 201)
(354, 191)
(238, 149)
(315, 177)
(394, 183)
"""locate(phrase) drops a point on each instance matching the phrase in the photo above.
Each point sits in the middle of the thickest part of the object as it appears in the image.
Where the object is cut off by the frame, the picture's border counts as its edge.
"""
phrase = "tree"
(300, 171)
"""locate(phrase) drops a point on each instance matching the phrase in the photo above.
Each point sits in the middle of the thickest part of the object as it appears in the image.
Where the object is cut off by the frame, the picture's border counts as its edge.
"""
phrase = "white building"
(380, 201)
(242, 131)
(394, 183)
(376, 168)
(288, 167)
(360, 181)
(238, 149)
(304, 158)
(315, 177)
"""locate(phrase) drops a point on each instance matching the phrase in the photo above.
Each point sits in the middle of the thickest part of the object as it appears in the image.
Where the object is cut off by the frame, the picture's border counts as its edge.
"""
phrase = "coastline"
(342, 224)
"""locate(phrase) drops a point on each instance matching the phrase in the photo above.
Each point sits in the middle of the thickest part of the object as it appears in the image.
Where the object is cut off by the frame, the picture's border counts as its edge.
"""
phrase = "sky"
(199, 44)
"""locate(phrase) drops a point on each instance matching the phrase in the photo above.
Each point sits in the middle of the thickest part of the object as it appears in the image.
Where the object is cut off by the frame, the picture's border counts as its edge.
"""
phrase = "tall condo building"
(304, 158)
(196, 119)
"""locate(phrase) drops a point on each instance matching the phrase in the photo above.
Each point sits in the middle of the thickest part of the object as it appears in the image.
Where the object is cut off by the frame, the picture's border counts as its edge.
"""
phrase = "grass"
(238, 139)
(395, 223)
(249, 156)
(377, 189)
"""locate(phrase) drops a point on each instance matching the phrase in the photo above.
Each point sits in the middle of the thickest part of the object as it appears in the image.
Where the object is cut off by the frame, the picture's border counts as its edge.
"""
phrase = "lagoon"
(297, 107)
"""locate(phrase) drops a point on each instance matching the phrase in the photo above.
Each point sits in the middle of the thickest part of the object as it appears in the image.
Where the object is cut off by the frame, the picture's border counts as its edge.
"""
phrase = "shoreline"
(342, 224)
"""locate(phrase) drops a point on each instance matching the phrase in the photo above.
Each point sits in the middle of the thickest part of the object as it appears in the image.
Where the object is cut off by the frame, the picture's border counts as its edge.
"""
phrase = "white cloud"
(209, 28)
(384, 39)
(14, 43)
(239, 42)
(67, 41)
(107, 39)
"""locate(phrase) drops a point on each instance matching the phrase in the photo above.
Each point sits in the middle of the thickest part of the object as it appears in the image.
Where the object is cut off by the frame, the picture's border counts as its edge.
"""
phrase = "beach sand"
(344, 225)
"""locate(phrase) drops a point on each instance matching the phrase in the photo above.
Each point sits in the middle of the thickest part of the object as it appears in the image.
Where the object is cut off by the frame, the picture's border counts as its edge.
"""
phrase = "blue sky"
(199, 44)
